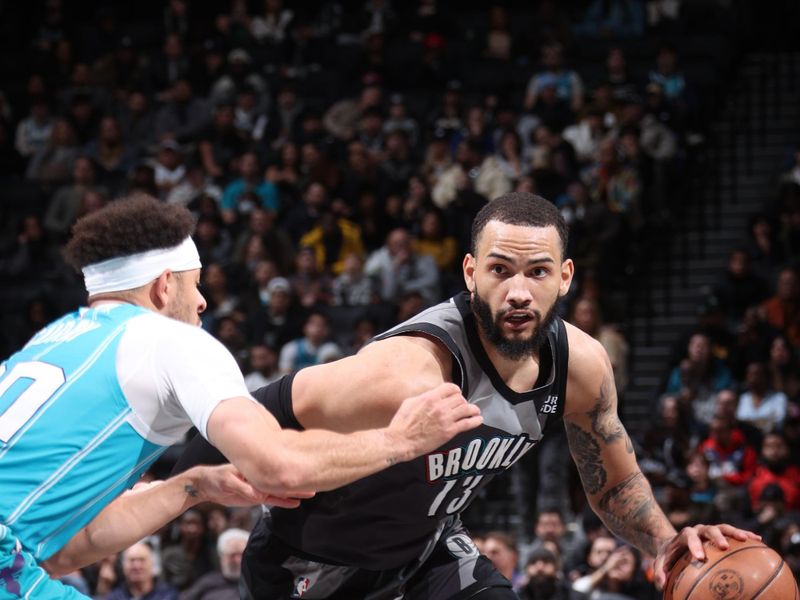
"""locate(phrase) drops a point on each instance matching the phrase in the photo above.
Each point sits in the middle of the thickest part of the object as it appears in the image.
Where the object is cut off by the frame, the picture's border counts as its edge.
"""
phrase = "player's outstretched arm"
(148, 507)
(285, 461)
(616, 488)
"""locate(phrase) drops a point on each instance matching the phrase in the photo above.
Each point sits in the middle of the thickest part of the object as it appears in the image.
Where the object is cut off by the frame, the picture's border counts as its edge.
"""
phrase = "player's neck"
(518, 374)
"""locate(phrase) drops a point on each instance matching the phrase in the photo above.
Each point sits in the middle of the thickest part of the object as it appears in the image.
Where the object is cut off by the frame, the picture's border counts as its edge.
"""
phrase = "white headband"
(129, 272)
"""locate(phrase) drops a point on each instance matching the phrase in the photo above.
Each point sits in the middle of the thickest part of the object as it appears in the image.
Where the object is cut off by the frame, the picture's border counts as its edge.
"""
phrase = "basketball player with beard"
(397, 534)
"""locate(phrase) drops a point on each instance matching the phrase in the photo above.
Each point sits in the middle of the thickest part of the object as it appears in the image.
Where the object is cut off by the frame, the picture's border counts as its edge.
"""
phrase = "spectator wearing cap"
(249, 181)
(543, 578)
(240, 74)
(774, 467)
(280, 322)
(567, 83)
(311, 349)
(222, 584)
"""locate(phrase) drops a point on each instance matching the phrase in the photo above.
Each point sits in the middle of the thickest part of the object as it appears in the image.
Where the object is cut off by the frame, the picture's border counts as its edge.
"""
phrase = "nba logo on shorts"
(301, 585)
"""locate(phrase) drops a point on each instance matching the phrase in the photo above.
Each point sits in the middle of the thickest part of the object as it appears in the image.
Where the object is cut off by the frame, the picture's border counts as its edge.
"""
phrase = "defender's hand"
(692, 538)
(425, 422)
(225, 485)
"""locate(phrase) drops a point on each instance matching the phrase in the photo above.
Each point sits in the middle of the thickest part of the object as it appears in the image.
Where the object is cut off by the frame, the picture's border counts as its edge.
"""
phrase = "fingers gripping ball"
(748, 570)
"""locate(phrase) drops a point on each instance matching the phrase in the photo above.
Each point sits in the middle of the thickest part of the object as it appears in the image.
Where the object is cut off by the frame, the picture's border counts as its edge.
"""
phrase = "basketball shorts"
(22, 577)
(451, 568)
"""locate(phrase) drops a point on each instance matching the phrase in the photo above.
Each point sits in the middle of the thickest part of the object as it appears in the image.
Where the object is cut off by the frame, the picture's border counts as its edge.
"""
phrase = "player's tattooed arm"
(603, 453)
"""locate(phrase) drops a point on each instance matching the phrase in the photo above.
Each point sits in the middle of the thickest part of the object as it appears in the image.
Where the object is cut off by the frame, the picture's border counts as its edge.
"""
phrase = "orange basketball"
(746, 571)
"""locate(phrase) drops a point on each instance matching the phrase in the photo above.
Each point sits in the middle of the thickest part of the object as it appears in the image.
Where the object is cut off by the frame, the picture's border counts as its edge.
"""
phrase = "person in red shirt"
(775, 468)
(730, 458)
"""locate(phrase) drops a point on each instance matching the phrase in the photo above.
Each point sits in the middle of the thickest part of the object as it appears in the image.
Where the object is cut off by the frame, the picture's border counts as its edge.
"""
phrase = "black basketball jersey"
(389, 519)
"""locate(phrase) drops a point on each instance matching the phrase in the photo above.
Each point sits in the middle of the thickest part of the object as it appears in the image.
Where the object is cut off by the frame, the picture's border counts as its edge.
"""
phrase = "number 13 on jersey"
(469, 483)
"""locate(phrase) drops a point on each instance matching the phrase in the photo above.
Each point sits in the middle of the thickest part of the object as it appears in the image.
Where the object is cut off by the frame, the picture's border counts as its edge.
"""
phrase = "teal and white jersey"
(89, 403)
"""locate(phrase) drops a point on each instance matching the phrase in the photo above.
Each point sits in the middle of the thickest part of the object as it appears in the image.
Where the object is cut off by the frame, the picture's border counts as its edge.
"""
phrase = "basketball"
(746, 571)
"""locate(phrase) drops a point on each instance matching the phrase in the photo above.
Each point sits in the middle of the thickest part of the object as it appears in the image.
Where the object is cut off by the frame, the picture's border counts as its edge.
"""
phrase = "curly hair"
(127, 226)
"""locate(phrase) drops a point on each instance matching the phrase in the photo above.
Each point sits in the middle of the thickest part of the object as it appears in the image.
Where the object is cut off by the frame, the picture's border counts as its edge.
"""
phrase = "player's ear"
(161, 288)
(567, 271)
(469, 272)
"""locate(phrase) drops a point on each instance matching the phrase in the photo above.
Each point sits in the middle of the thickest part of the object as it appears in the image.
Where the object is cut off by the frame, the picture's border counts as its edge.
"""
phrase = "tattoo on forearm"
(189, 489)
(586, 452)
(605, 421)
(631, 512)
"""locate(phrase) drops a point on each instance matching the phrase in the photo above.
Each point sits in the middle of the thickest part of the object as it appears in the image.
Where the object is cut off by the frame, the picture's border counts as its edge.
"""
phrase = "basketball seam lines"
(771, 579)
(710, 567)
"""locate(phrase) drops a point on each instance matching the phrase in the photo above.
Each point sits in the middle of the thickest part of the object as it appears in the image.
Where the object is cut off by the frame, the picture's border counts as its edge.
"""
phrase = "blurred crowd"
(335, 154)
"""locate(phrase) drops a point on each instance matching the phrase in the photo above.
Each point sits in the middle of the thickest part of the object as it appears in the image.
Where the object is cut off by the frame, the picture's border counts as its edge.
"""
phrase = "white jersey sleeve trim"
(173, 376)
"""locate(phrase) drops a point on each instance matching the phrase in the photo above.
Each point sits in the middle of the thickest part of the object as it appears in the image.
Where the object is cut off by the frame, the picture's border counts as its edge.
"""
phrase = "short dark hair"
(504, 538)
(520, 208)
(127, 226)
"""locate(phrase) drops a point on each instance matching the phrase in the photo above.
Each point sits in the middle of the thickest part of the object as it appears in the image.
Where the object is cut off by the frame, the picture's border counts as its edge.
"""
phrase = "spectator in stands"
(66, 203)
(399, 119)
(612, 19)
(310, 282)
(224, 583)
(550, 531)
(699, 376)
(33, 133)
(192, 186)
(543, 579)
(666, 443)
(183, 116)
(764, 248)
(499, 40)
(726, 404)
(189, 558)
(768, 519)
(509, 156)
(240, 74)
(597, 552)
(221, 301)
(303, 217)
(342, 119)
(284, 122)
(731, 460)
(212, 240)
(568, 84)
(399, 269)
(760, 405)
(585, 136)
(617, 578)
(170, 66)
(471, 170)
(137, 120)
(397, 166)
(739, 287)
(501, 548)
(702, 489)
(352, 287)
(586, 317)
(311, 349)
(137, 566)
(782, 367)
(753, 339)
(774, 467)
(782, 311)
(248, 117)
(220, 144)
(433, 241)
(263, 367)
(110, 153)
(617, 76)
(168, 167)
(281, 320)
(235, 199)
(53, 164)
(331, 241)
(548, 108)
(667, 75)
